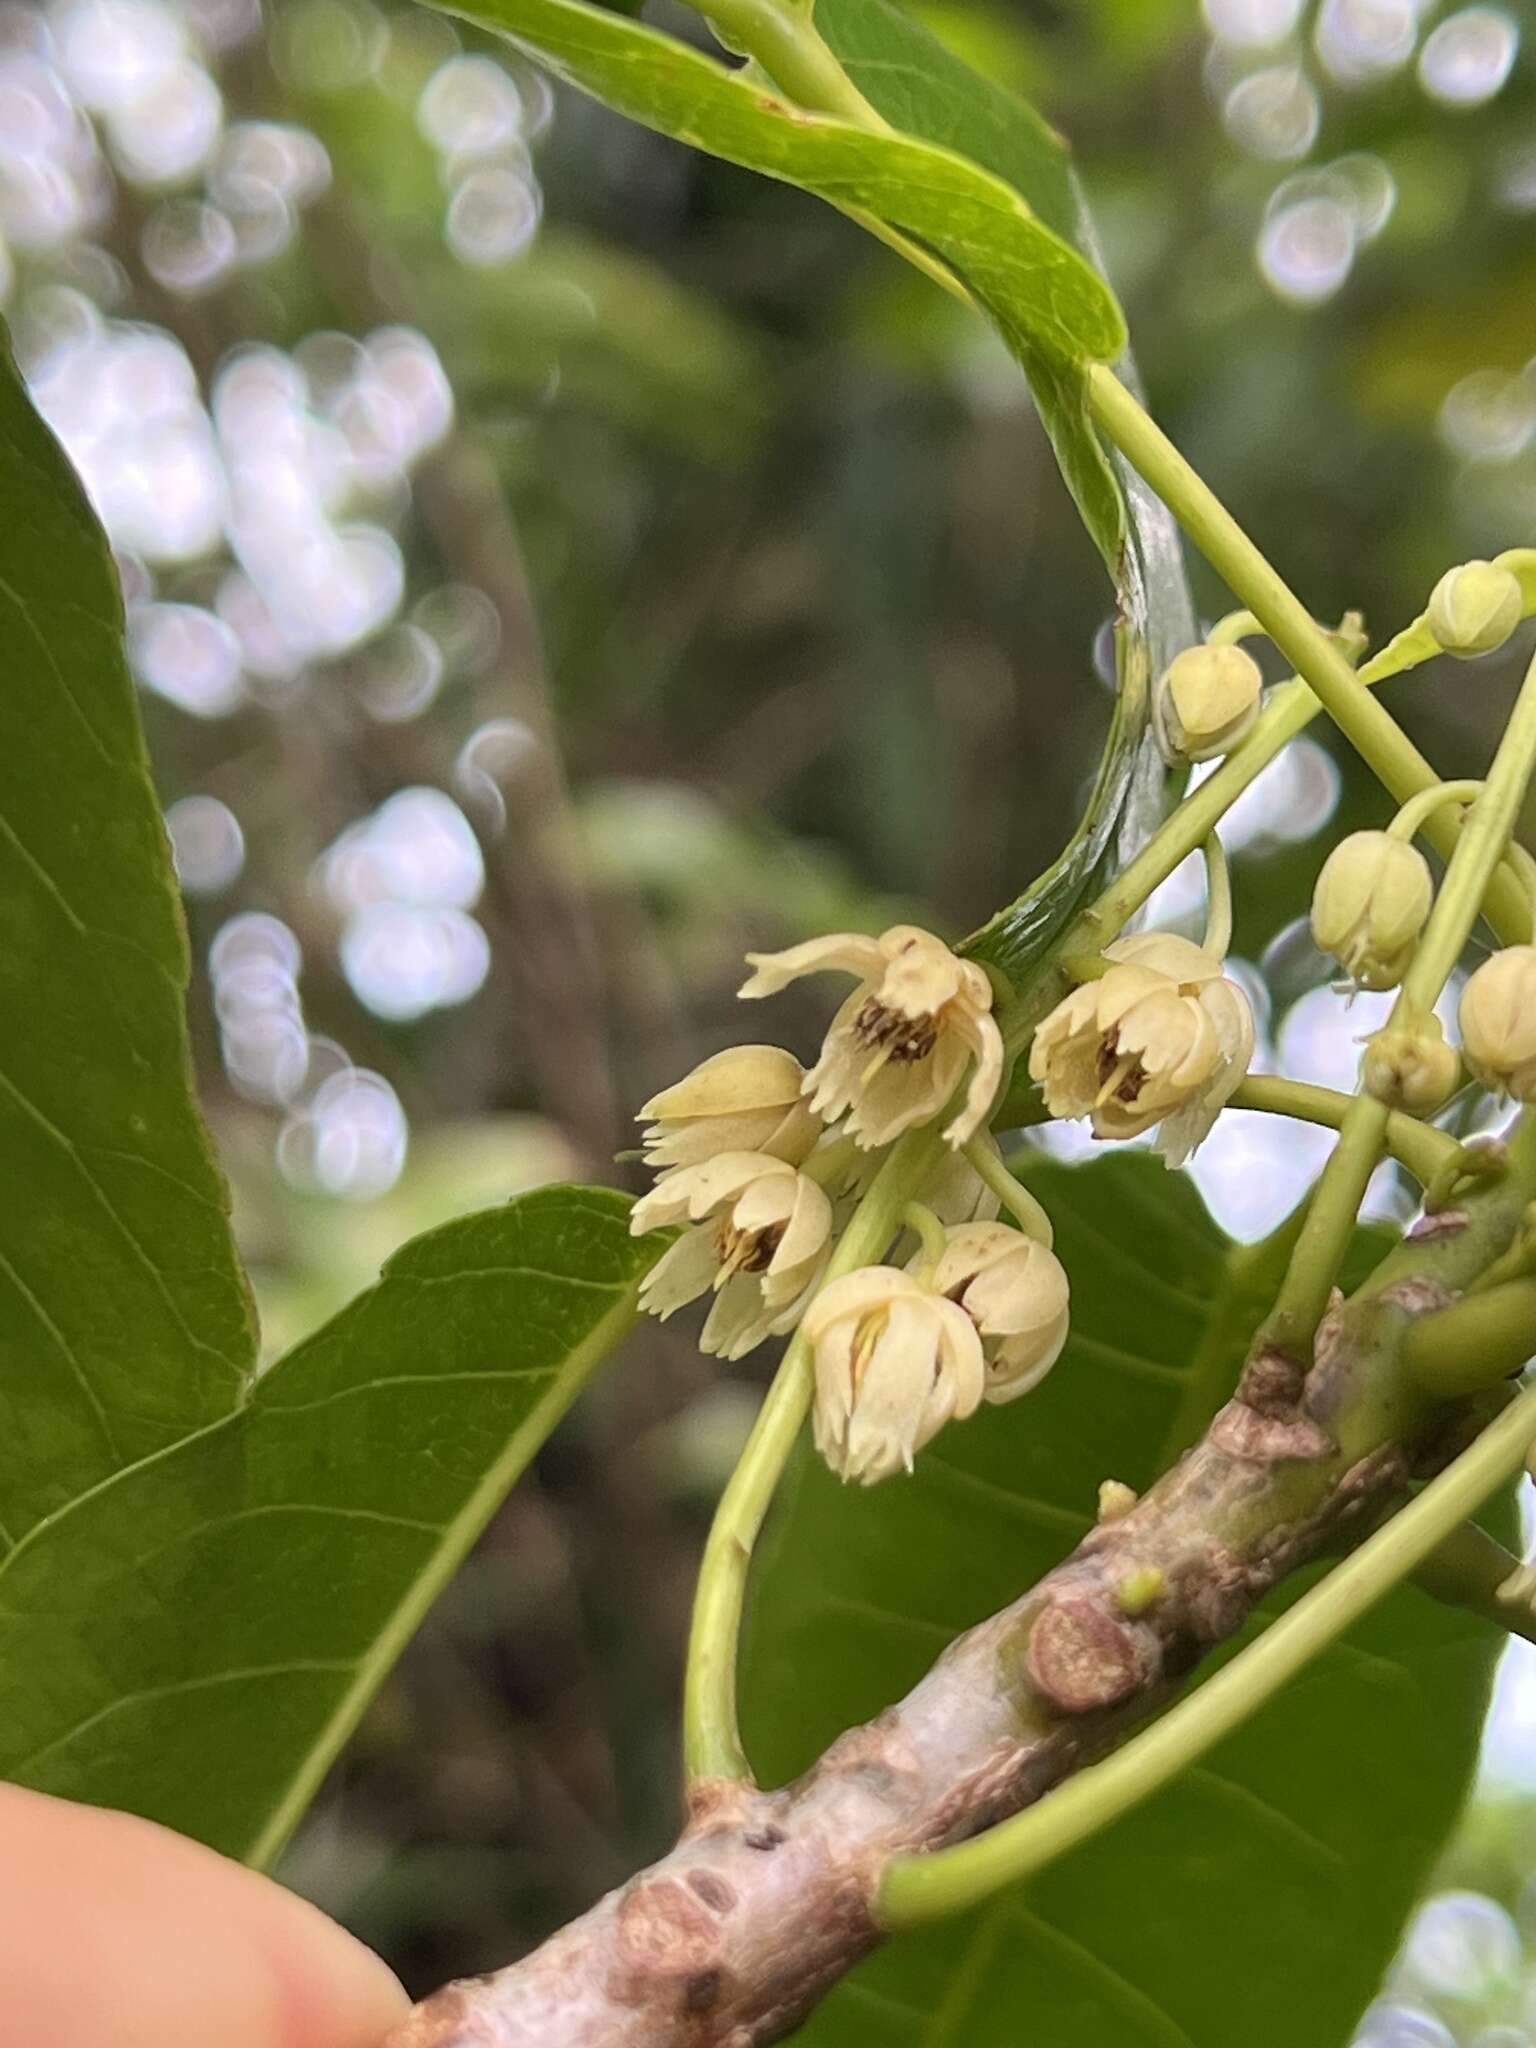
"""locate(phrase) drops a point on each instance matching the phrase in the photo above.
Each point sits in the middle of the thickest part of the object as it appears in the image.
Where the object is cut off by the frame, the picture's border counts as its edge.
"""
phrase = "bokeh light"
(1468, 57)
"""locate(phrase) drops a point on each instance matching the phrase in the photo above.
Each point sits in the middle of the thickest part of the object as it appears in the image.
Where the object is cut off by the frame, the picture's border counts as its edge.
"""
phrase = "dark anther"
(905, 1038)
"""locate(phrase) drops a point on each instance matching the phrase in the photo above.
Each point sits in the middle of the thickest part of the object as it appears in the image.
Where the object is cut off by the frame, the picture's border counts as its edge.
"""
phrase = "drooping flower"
(760, 1238)
(1369, 906)
(1163, 1037)
(1410, 1066)
(894, 1362)
(749, 1098)
(1014, 1289)
(1206, 700)
(1474, 608)
(898, 1048)
(1498, 1022)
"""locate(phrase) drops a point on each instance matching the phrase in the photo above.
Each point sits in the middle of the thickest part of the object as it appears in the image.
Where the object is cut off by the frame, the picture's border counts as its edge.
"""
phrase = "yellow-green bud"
(1410, 1066)
(1369, 906)
(1498, 1023)
(1141, 1589)
(1207, 700)
(1474, 609)
(1116, 1500)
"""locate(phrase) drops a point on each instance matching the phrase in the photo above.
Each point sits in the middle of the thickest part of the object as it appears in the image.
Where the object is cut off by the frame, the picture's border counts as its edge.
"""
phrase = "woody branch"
(770, 1897)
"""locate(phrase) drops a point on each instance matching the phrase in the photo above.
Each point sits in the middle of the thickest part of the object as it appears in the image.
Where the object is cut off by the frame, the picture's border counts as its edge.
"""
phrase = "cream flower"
(894, 1363)
(1015, 1291)
(1498, 1022)
(745, 1099)
(1206, 701)
(898, 1048)
(1372, 897)
(1163, 1037)
(761, 1236)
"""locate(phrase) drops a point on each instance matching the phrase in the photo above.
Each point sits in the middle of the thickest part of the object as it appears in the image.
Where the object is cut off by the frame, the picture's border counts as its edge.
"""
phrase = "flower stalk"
(1304, 1293)
(1369, 727)
(711, 1731)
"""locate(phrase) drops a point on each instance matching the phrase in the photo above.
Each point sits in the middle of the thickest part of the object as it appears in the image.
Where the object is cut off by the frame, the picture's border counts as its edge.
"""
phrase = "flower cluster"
(760, 1163)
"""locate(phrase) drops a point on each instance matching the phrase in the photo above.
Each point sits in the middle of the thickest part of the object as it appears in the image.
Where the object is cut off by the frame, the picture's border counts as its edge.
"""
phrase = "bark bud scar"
(1081, 1658)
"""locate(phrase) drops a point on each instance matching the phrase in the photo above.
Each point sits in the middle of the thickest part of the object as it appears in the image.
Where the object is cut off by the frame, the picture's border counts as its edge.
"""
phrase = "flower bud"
(894, 1362)
(1015, 1291)
(1369, 906)
(1116, 1500)
(1207, 700)
(1410, 1066)
(1474, 609)
(1498, 1023)
(745, 1099)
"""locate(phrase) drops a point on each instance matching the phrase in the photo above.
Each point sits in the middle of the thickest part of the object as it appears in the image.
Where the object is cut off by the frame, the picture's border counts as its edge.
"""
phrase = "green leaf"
(205, 1576)
(980, 179)
(195, 1638)
(1306, 1837)
(1052, 308)
(920, 86)
(124, 1317)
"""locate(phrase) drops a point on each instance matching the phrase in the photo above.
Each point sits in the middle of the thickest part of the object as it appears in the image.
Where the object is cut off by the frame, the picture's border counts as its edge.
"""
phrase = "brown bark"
(769, 1897)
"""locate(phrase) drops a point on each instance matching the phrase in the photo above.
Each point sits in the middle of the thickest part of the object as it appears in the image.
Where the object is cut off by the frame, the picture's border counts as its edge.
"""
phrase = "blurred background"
(555, 563)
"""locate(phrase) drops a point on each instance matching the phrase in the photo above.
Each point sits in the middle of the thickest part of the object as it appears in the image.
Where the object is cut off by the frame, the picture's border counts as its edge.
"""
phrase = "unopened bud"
(1369, 906)
(1498, 1023)
(1474, 609)
(1410, 1066)
(1116, 1500)
(1207, 700)
(1140, 1589)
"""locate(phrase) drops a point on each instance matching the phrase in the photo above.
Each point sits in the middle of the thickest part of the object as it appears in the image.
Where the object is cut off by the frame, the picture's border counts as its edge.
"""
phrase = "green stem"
(1418, 808)
(1470, 1570)
(1371, 729)
(928, 1229)
(1474, 1343)
(1025, 1210)
(1290, 709)
(1218, 898)
(916, 1890)
(1234, 627)
(711, 1735)
(1303, 1298)
(1524, 863)
(1423, 1150)
(791, 49)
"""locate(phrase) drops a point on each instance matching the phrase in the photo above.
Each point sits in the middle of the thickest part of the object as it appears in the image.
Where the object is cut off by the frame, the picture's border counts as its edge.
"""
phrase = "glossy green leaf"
(195, 1638)
(1052, 308)
(920, 86)
(205, 1576)
(124, 1318)
(1306, 1836)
